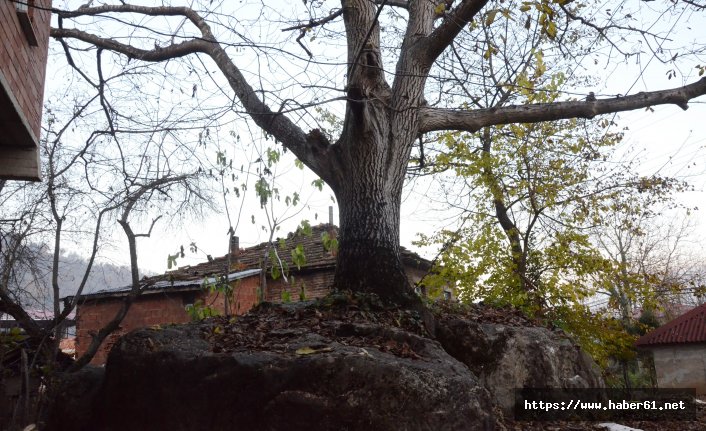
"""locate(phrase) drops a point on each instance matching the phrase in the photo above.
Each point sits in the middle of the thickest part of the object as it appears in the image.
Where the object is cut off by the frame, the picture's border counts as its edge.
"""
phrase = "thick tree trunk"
(380, 126)
(369, 256)
(369, 191)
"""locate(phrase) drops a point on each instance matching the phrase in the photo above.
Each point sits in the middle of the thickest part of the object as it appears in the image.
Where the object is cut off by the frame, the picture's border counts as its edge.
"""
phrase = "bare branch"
(312, 148)
(128, 8)
(149, 232)
(449, 119)
(694, 4)
(315, 23)
(158, 54)
(403, 4)
(451, 26)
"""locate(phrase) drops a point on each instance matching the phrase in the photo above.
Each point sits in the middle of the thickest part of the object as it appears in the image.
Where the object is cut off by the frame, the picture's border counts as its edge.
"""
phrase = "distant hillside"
(35, 283)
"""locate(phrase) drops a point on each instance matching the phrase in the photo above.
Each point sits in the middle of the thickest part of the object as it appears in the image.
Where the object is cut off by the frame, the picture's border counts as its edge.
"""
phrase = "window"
(25, 13)
(188, 298)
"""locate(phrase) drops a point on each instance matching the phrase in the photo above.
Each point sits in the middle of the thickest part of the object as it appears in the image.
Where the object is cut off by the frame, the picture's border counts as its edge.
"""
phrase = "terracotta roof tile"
(316, 256)
(690, 327)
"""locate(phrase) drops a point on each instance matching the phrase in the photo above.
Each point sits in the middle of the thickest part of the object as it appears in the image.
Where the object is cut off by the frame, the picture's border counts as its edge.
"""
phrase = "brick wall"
(152, 309)
(147, 310)
(316, 284)
(24, 66)
(244, 296)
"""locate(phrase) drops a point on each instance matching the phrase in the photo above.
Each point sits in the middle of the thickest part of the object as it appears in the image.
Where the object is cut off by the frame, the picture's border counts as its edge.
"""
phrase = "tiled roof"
(316, 255)
(249, 259)
(687, 328)
(156, 285)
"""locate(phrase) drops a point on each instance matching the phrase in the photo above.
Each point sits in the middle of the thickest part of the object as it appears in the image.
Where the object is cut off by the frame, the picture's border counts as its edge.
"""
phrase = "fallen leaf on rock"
(311, 351)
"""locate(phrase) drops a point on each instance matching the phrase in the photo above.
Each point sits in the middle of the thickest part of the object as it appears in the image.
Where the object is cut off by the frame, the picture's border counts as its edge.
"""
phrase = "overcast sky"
(668, 141)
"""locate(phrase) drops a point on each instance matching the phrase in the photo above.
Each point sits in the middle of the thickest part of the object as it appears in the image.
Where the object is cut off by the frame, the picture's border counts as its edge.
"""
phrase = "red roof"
(249, 259)
(690, 327)
(317, 257)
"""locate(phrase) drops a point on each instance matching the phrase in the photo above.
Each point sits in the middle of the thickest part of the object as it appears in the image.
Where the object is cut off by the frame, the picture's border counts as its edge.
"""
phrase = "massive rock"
(506, 357)
(296, 367)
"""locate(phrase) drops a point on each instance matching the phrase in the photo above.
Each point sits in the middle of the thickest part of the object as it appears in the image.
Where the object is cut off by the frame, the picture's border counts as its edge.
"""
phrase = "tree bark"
(369, 252)
(371, 158)
(368, 188)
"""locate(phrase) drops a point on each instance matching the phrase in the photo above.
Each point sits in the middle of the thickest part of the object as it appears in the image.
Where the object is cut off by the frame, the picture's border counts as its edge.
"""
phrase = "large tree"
(397, 55)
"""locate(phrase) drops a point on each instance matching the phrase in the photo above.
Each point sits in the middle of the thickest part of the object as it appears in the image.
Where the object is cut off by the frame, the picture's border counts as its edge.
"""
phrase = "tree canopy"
(394, 70)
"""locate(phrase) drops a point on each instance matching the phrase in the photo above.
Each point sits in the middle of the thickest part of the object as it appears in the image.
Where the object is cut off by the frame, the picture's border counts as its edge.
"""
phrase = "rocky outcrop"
(170, 379)
(506, 357)
(304, 367)
(74, 397)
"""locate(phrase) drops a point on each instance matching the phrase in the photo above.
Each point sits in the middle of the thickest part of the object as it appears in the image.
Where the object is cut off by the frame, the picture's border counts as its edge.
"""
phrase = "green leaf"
(273, 156)
(263, 191)
(275, 272)
(298, 257)
(304, 228)
(490, 17)
(330, 244)
(551, 30)
(318, 183)
(172, 260)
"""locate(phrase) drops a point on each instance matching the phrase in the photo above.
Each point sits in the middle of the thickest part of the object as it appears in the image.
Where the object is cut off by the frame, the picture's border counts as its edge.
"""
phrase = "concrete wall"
(681, 366)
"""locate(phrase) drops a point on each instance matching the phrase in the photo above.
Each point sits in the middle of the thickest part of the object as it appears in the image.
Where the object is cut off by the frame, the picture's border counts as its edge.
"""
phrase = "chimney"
(234, 249)
(332, 232)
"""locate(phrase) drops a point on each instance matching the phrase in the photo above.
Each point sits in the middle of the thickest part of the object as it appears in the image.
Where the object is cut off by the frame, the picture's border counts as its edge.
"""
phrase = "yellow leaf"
(490, 17)
(551, 30)
(440, 8)
(305, 351)
(309, 350)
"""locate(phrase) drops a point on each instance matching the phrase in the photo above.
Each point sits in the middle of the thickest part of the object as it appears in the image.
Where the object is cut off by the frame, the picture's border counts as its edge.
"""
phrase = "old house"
(679, 351)
(166, 297)
(24, 31)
